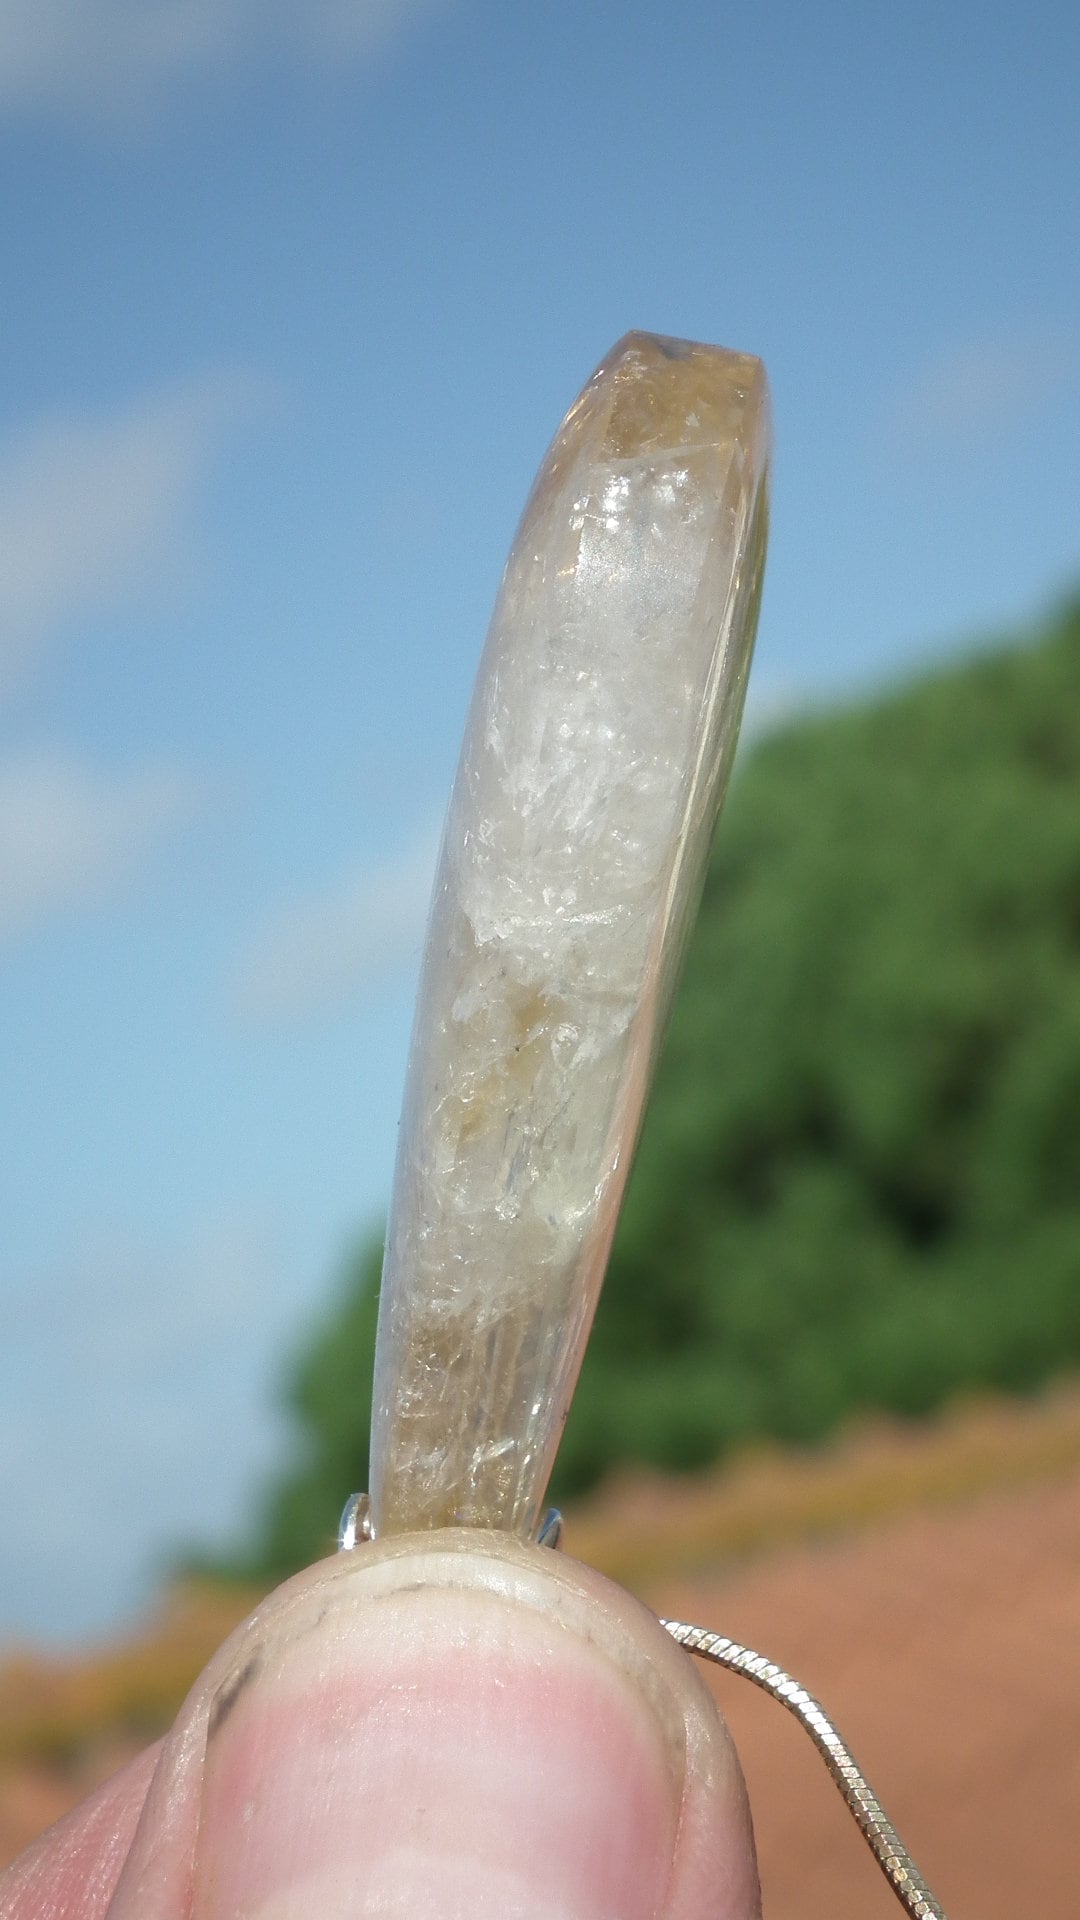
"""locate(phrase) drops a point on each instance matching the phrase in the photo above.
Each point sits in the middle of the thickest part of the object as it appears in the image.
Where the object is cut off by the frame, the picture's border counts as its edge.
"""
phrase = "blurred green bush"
(859, 1180)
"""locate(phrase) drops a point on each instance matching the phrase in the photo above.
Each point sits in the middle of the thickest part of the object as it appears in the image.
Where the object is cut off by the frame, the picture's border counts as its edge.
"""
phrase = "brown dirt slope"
(926, 1585)
(946, 1646)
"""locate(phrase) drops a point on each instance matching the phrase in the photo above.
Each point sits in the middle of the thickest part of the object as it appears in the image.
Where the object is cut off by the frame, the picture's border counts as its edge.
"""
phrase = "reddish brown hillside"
(925, 1585)
(947, 1647)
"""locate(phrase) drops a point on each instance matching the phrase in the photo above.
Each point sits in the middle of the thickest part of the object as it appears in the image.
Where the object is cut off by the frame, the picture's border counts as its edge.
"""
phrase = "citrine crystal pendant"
(596, 753)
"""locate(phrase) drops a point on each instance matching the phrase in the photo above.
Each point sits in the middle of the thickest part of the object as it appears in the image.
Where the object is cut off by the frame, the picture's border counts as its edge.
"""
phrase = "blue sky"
(293, 299)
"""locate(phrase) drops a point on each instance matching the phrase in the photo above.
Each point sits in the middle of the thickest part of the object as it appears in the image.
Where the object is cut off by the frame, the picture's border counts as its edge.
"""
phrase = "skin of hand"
(446, 1727)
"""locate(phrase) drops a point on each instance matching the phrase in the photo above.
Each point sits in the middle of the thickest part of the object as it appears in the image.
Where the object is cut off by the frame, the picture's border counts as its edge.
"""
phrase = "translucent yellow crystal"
(596, 752)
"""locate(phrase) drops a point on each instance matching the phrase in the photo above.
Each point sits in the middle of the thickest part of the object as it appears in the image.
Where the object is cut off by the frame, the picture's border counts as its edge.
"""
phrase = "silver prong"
(549, 1532)
(355, 1524)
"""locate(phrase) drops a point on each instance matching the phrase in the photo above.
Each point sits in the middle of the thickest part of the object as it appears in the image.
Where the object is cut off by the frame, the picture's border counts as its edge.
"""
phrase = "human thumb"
(442, 1728)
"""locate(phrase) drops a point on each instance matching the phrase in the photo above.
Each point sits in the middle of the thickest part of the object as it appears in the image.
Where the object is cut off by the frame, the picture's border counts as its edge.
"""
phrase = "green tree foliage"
(859, 1180)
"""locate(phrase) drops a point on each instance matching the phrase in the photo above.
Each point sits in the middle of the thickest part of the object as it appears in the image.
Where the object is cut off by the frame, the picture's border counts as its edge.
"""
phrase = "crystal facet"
(596, 752)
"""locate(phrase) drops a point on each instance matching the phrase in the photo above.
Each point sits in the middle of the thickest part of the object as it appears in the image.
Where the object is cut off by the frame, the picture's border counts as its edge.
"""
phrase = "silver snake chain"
(877, 1829)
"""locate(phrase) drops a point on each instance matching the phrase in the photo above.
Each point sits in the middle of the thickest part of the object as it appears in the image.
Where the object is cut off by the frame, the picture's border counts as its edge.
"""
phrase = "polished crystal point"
(597, 748)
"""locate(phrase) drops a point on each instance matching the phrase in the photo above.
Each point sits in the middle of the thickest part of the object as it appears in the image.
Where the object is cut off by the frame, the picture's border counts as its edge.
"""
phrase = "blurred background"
(293, 299)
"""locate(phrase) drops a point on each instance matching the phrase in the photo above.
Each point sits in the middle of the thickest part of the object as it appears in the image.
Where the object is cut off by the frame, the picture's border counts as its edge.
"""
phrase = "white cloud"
(133, 1414)
(74, 835)
(104, 57)
(985, 388)
(322, 949)
(92, 510)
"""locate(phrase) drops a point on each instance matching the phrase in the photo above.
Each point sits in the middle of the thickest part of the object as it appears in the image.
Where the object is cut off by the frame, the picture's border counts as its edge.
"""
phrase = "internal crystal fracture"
(596, 753)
